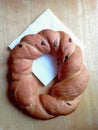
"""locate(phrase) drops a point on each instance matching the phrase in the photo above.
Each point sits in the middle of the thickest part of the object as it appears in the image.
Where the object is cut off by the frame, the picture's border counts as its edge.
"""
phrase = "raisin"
(20, 45)
(54, 43)
(68, 103)
(70, 40)
(66, 57)
(43, 43)
(58, 59)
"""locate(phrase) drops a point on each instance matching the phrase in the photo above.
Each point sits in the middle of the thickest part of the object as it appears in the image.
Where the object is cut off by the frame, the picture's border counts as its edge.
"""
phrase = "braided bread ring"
(63, 96)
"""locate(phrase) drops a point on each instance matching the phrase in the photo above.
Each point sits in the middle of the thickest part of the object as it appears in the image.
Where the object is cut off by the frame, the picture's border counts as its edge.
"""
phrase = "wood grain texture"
(81, 16)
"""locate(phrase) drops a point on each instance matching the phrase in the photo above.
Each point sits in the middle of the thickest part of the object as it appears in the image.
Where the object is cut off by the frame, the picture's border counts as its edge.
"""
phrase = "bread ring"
(63, 96)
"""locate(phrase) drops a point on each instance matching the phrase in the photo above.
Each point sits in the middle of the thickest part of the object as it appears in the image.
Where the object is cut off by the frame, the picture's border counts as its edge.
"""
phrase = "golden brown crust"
(62, 97)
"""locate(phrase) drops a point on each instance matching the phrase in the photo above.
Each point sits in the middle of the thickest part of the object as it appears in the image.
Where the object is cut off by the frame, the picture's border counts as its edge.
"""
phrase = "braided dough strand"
(64, 95)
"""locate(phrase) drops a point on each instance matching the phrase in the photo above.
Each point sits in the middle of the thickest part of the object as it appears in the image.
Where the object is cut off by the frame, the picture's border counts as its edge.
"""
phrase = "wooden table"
(82, 18)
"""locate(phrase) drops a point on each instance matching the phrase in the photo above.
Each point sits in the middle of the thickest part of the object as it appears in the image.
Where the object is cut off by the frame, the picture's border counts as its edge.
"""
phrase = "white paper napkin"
(44, 67)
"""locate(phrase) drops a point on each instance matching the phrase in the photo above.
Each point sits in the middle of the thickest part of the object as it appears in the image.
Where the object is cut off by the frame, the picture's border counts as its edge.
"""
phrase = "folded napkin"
(45, 68)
